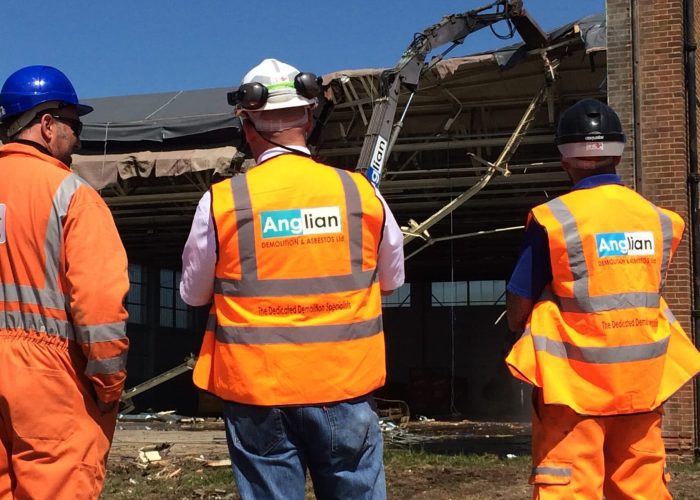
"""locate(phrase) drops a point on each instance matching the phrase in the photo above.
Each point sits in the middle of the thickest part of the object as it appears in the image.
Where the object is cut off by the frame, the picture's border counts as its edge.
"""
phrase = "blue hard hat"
(28, 87)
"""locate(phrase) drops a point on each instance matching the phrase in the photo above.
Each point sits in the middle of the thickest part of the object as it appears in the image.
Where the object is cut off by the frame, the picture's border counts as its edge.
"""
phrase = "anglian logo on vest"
(300, 222)
(624, 244)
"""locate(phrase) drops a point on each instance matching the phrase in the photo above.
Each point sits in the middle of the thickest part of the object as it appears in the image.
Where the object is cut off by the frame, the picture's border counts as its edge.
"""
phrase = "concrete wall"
(647, 88)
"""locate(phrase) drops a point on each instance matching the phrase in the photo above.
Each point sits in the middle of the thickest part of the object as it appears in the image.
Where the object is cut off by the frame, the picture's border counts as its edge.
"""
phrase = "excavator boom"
(382, 131)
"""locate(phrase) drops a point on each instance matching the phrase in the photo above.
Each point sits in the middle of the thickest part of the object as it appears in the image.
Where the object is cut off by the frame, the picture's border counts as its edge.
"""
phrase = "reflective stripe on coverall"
(63, 338)
(296, 317)
(601, 340)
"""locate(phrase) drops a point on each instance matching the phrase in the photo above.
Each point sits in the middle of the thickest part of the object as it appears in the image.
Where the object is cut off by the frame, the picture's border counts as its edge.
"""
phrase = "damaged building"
(458, 179)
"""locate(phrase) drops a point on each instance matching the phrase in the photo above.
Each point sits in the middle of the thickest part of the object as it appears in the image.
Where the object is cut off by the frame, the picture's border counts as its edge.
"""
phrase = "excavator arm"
(382, 131)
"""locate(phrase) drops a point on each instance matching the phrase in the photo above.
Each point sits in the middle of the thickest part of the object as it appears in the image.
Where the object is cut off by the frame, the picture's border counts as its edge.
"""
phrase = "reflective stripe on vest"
(251, 286)
(287, 287)
(50, 296)
(599, 355)
(582, 300)
(602, 302)
(669, 316)
(252, 335)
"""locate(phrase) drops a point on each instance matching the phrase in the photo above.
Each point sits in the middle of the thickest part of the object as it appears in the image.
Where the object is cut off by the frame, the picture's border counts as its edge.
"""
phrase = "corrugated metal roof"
(170, 115)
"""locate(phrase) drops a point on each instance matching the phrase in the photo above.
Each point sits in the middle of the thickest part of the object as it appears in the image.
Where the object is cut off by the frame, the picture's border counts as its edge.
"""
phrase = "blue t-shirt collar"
(597, 180)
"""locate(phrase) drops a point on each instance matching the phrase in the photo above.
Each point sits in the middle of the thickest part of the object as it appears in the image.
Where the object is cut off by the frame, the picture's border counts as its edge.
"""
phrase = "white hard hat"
(278, 78)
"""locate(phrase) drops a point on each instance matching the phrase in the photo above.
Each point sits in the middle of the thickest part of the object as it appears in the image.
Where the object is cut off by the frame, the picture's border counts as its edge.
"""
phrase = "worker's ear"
(310, 122)
(246, 123)
(567, 167)
(48, 127)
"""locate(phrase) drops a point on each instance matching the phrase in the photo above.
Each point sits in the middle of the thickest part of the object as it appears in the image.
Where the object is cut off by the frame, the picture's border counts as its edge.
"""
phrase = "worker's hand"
(106, 407)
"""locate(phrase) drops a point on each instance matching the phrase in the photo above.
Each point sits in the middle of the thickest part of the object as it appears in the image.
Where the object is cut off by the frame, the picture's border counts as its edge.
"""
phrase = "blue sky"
(124, 47)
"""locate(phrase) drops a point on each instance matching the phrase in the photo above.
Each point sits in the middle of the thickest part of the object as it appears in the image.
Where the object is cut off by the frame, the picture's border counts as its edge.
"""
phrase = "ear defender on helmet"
(248, 96)
(308, 85)
(254, 95)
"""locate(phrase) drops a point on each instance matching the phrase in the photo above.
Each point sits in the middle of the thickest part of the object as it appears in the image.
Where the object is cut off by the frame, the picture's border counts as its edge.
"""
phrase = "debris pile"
(169, 417)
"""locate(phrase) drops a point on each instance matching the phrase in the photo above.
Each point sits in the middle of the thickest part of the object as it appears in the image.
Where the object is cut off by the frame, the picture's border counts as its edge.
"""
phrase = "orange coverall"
(629, 445)
(63, 345)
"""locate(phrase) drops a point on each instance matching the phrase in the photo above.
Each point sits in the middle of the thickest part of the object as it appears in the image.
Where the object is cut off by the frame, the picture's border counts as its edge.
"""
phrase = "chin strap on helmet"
(28, 116)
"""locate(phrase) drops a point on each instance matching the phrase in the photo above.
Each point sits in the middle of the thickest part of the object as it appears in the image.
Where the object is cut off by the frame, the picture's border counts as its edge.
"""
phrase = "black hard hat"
(590, 128)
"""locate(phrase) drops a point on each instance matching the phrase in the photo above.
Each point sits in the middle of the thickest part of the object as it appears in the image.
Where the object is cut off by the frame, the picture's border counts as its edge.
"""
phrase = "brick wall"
(662, 166)
(619, 66)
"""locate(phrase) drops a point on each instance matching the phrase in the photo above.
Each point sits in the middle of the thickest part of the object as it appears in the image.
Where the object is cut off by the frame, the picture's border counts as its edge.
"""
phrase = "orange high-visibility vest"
(601, 340)
(297, 316)
(63, 269)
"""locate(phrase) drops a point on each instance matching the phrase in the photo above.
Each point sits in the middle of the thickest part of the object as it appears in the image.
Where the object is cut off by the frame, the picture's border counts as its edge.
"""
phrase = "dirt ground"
(424, 460)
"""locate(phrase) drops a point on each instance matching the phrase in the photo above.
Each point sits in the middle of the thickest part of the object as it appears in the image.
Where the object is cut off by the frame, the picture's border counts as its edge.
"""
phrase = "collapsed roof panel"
(466, 105)
(169, 115)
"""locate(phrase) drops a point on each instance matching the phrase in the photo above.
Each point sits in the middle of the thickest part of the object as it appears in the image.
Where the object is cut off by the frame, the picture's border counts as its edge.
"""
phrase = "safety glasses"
(75, 125)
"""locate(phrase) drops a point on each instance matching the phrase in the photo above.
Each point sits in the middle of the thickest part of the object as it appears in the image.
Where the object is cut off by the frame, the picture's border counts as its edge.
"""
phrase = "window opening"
(174, 313)
(401, 297)
(136, 297)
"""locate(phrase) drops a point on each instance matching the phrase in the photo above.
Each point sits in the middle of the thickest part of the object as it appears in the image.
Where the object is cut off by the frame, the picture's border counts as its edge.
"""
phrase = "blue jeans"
(340, 444)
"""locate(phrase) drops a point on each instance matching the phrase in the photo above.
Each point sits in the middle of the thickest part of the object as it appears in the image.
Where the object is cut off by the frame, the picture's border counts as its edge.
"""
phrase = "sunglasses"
(75, 125)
